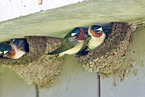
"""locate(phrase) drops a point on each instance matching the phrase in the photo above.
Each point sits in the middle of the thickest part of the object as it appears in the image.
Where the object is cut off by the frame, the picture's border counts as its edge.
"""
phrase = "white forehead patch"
(73, 34)
(1, 52)
(5, 52)
(100, 29)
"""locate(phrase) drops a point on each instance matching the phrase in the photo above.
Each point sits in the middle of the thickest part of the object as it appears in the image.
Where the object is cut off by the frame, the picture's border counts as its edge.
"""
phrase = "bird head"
(95, 30)
(3, 46)
(78, 33)
(7, 51)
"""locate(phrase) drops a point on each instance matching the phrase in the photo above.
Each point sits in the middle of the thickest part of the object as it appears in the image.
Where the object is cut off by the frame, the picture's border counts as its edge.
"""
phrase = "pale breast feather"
(95, 42)
(73, 50)
(18, 54)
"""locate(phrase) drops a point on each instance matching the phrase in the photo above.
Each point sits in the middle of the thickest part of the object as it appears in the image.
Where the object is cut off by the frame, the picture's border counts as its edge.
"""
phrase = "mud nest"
(36, 66)
(107, 58)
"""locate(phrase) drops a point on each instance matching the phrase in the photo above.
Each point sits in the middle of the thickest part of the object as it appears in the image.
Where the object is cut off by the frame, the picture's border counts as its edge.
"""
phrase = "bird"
(16, 48)
(73, 42)
(97, 36)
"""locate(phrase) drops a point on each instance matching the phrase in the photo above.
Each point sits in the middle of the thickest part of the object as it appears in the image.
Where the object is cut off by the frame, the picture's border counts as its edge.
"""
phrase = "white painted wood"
(73, 82)
(10, 9)
(13, 86)
(131, 86)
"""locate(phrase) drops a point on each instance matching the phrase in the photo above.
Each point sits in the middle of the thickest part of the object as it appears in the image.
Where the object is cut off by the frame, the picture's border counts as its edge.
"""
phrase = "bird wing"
(66, 44)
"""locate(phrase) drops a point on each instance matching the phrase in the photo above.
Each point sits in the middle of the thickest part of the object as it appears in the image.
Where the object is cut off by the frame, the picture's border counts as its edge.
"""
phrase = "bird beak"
(6, 56)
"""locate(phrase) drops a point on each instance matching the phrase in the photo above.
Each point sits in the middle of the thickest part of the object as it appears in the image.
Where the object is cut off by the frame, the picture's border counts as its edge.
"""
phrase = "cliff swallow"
(16, 48)
(97, 36)
(73, 42)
